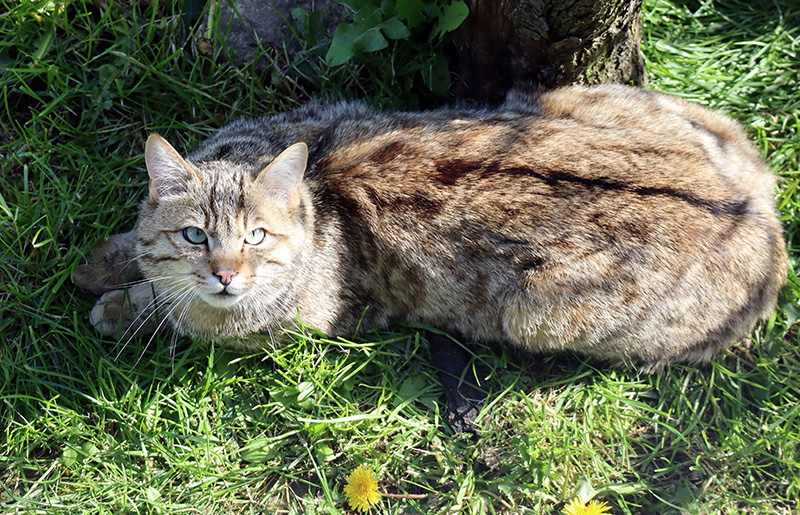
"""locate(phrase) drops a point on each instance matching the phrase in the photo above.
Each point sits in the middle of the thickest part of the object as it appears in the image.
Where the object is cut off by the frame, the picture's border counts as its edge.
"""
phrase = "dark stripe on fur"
(161, 259)
(449, 172)
(387, 153)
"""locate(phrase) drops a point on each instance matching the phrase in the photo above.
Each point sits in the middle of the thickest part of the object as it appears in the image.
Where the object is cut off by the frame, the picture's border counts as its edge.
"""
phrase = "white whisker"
(281, 309)
(177, 330)
(145, 310)
(146, 281)
(124, 267)
(163, 298)
(187, 291)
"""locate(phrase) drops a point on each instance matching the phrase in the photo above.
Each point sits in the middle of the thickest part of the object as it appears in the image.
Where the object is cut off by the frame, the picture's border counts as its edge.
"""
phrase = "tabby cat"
(618, 223)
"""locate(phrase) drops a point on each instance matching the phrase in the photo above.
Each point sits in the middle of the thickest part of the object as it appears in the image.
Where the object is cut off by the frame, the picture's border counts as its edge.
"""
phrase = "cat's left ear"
(169, 173)
(283, 175)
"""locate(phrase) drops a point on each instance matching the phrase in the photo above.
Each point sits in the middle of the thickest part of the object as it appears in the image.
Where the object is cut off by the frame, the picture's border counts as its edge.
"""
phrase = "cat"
(618, 223)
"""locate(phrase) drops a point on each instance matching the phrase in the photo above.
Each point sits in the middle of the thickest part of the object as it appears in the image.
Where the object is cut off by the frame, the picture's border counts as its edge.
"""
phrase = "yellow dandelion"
(362, 489)
(578, 507)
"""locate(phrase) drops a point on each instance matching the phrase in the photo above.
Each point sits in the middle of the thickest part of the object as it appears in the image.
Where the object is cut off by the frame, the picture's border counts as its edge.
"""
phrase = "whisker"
(157, 297)
(149, 280)
(147, 309)
(124, 265)
(163, 298)
(185, 293)
(134, 258)
(173, 344)
(282, 309)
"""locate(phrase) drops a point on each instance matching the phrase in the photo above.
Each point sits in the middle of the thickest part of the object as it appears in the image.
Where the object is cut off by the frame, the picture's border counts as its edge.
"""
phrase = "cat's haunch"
(609, 221)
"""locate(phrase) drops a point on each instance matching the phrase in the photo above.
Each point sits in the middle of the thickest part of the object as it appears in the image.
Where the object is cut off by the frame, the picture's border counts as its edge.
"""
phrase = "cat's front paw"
(110, 266)
(124, 312)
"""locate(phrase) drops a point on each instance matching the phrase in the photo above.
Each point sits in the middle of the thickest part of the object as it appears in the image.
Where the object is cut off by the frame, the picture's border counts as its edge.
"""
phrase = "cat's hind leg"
(462, 389)
(111, 266)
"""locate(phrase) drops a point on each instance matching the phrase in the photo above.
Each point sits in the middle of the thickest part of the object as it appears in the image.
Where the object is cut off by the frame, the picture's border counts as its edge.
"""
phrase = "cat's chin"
(221, 300)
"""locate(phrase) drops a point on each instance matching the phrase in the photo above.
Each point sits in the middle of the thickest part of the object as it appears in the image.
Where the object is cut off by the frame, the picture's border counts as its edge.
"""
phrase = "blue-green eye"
(195, 235)
(255, 236)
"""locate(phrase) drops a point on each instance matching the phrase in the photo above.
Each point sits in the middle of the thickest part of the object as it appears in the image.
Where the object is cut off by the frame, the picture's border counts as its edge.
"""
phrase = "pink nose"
(225, 276)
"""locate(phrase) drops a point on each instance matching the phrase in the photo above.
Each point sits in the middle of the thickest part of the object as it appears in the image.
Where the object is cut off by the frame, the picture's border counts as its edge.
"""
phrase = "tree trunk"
(548, 43)
(502, 42)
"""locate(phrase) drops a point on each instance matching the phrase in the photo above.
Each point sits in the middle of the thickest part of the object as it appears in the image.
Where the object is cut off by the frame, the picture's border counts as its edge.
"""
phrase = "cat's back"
(613, 219)
(571, 150)
(665, 122)
(568, 127)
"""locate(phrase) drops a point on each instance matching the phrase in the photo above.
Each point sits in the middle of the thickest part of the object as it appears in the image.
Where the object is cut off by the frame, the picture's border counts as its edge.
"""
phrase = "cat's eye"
(195, 235)
(255, 236)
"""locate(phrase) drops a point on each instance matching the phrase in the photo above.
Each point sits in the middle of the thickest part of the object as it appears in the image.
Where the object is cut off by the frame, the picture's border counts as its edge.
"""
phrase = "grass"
(87, 427)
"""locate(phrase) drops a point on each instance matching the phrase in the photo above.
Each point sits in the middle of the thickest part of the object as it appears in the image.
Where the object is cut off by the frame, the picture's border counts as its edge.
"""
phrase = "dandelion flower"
(578, 507)
(362, 489)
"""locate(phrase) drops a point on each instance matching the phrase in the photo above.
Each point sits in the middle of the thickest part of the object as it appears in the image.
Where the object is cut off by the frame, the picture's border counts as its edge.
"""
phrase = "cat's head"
(220, 232)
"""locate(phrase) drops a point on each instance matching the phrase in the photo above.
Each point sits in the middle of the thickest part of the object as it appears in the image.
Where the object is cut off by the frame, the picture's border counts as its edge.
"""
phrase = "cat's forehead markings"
(225, 191)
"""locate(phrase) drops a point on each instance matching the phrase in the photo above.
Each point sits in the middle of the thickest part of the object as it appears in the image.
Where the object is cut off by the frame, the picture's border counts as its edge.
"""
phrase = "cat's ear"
(169, 173)
(282, 176)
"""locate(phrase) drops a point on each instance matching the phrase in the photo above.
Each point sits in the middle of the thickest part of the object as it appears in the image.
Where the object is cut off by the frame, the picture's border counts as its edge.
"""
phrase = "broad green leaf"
(88, 449)
(412, 387)
(260, 450)
(413, 11)
(304, 389)
(69, 457)
(371, 41)
(152, 495)
(324, 453)
(342, 47)
(585, 491)
(452, 17)
(310, 26)
(45, 42)
(367, 17)
(355, 4)
(298, 14)
(395, 29)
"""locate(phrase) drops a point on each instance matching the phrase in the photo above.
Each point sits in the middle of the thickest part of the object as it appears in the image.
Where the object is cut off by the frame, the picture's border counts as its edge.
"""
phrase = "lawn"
(88, 425)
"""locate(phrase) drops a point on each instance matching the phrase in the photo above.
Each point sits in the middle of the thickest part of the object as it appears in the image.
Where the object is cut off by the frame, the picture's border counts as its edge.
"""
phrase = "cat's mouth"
(222, 299)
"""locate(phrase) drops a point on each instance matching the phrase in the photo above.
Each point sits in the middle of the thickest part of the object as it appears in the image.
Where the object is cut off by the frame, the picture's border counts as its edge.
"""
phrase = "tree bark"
(546, 43)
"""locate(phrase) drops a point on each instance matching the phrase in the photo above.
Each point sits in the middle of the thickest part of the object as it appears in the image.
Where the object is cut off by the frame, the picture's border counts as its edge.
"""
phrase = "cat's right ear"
(169, 172)
(282, 176)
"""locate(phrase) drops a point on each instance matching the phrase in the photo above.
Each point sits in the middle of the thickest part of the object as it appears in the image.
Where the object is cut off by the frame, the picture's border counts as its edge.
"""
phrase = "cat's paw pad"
(111, 313)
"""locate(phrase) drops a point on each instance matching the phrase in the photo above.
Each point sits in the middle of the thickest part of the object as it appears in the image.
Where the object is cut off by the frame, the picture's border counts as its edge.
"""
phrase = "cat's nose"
(225, 276)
